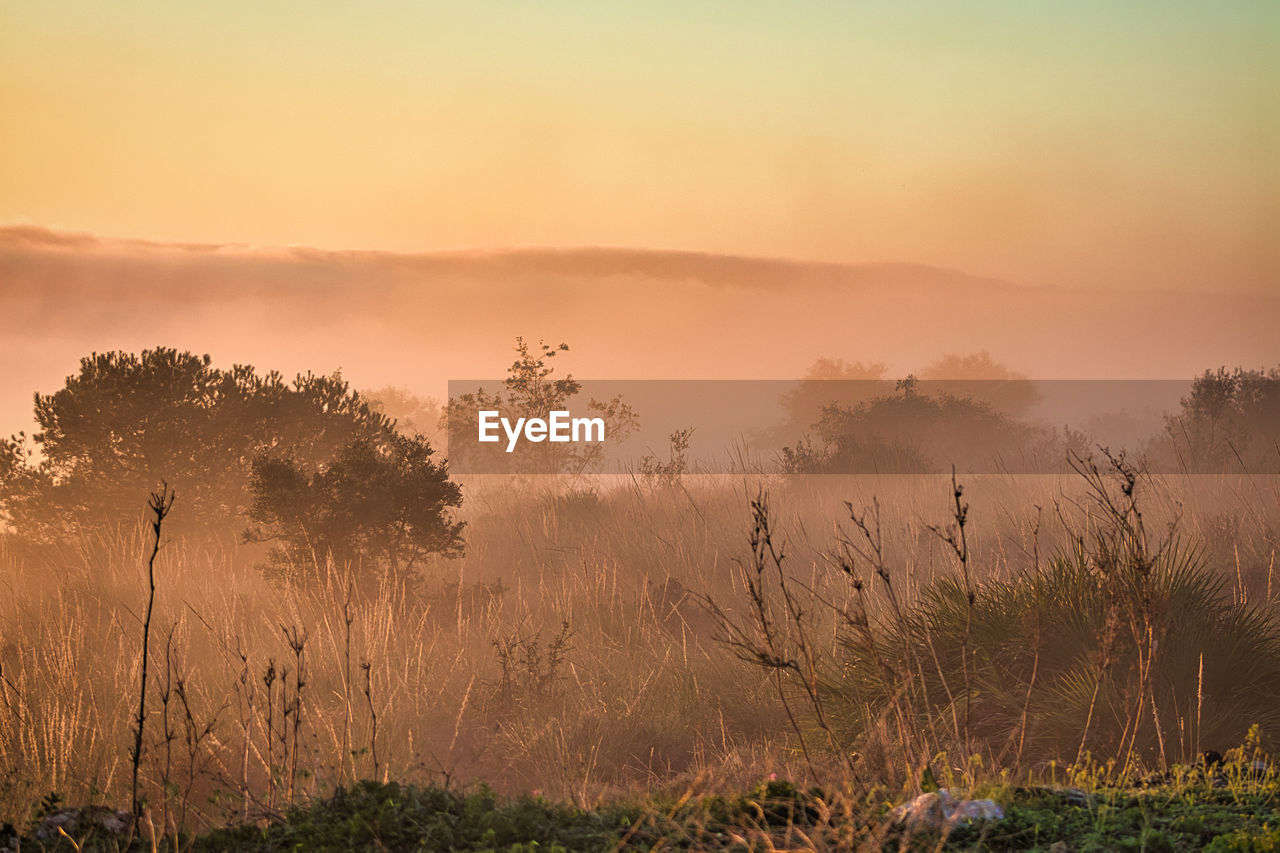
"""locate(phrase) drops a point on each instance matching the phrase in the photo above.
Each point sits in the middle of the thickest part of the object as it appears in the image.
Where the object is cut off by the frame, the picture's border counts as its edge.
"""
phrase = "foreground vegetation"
(595, 677)
(622, 658)
(1230, 807)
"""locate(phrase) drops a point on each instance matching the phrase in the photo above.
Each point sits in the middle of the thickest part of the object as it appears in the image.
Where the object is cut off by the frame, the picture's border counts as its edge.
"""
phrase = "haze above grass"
(416, 320)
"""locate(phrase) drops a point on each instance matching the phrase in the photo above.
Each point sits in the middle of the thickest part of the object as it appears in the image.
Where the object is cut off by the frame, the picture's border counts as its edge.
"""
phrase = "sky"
(1127, 145)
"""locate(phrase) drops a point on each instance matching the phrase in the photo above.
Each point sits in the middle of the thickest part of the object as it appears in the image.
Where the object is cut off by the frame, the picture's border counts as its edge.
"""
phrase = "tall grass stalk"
(160, 504)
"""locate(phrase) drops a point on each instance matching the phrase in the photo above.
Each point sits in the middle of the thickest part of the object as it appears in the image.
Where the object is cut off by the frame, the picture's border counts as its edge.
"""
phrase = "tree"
(981, 377)
(828, 382)
(127, 421)
(531, 391)
(1230, 422)
(913, 432)
(413, 415)
(377, 504)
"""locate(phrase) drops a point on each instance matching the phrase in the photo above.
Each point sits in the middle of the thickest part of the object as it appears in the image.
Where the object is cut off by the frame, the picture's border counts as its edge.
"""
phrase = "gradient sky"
(1113, 144)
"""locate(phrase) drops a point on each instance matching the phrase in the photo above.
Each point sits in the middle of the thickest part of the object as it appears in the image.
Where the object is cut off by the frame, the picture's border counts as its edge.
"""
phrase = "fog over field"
(582, 426)
(417, 320)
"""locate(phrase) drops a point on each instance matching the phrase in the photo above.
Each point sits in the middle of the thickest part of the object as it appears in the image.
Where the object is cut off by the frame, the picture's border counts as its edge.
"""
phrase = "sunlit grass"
(645, 698)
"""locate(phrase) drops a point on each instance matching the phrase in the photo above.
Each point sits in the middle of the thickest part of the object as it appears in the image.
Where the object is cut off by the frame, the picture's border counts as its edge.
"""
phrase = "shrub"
(912, 432)
(531, 390)
(385, 505)
(1229, 422)
(1041, 644)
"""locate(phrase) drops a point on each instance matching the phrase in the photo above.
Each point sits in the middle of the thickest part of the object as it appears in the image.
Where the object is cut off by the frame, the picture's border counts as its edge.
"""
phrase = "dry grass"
(642, 696)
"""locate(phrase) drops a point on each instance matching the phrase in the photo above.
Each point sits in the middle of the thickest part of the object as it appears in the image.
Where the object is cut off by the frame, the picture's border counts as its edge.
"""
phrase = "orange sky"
(1114, 144)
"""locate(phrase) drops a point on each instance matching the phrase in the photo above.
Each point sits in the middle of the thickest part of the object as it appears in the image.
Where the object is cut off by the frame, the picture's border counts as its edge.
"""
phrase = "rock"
(925, 812)
(76, 822)
(938, 812)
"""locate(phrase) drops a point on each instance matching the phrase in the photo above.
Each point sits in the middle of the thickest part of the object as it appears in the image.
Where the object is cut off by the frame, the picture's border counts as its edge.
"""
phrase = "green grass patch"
(774, 815)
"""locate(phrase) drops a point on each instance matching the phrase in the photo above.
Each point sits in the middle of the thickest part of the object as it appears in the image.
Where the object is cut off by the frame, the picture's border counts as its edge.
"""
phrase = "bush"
(911, 432)
(374, 505)
(1041, 644)
(531, 391)
(1230, 422)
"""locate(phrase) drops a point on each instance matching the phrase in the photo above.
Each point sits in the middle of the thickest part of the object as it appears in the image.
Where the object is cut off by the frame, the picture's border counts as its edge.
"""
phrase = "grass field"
(574, 662)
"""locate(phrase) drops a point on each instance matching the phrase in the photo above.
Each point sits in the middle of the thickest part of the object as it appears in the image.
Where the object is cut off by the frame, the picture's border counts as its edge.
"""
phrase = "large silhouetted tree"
(127, 421)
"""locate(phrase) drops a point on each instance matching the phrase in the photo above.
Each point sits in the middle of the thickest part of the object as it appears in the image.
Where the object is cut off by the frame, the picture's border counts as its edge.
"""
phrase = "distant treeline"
(318, 471)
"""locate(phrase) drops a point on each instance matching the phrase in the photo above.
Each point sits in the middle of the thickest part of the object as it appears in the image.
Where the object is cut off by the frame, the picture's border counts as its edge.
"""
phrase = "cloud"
(417, 320)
